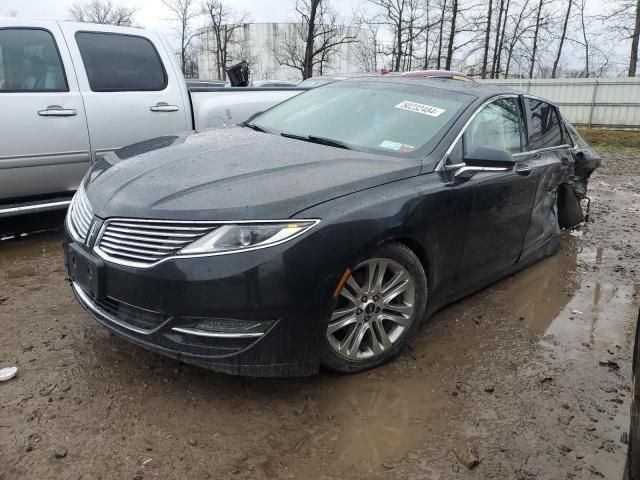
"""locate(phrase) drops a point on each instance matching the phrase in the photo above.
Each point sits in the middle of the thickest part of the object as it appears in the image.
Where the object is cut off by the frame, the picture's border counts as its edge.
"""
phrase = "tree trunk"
(487, 36)
(586, 40)
(496, 73)
(307, 68)
(535, 39)
(562, 37)
(633, 61)
(452, 34)
(444, 8)
(496, 46)
(398, 58)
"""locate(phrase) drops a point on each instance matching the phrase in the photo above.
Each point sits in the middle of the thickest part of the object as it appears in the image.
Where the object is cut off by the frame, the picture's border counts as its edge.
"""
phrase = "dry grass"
(613, 141)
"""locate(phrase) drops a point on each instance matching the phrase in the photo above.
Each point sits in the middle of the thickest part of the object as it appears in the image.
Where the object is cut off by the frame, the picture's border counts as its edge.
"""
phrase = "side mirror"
(484, 159)
(484, 156)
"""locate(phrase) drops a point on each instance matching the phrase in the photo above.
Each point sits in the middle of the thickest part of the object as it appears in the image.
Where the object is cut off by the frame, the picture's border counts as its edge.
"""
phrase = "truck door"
(129, 87)
(44, 143)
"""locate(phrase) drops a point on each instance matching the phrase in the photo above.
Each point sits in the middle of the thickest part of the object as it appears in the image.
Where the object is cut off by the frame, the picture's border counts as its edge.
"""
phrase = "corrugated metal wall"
(595, 102)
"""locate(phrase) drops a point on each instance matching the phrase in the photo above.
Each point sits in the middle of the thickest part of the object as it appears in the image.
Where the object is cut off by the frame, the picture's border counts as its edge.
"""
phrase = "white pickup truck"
(70, 92)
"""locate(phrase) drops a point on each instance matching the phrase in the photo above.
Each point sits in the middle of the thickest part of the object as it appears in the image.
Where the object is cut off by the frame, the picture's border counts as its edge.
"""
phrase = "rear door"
(44, 144)
(499, 202)
(549, 158)
(130, 90)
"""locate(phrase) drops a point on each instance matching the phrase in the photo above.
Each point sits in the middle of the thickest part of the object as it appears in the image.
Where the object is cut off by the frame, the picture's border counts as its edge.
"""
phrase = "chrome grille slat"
(118, 253)
(142, 238)
(146, 251)
(142, 243)
(116, 241)
(157, 234)
(80, 215)
(160, 227)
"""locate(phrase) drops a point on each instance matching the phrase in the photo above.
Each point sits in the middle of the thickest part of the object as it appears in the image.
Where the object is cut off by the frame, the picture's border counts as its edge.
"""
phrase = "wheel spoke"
(335, 326)
(381, 270)
(337, 314)
(357, 289)
(399, 277)
(400, 288)
(379, 339)
(399, 308)
(399, 319)
(357, 339)
(371, 276)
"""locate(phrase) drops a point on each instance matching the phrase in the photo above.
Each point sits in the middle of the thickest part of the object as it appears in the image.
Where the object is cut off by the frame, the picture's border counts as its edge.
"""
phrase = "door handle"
(163, 107)
(57, 111)
(523, 170)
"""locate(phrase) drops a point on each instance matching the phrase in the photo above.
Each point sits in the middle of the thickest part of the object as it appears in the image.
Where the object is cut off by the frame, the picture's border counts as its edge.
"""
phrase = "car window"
(498, 125)
(387, 118)
(116, 63)
(545, 125)
(30, 61)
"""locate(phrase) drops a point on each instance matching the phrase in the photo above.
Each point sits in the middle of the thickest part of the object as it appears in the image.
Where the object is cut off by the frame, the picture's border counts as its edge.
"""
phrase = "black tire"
(400, 253)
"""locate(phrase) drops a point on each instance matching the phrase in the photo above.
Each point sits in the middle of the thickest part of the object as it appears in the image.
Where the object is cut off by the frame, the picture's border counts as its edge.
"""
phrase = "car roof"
(480, 90)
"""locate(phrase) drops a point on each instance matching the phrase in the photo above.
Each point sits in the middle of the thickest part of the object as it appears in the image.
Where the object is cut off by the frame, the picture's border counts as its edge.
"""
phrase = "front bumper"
(268, 308)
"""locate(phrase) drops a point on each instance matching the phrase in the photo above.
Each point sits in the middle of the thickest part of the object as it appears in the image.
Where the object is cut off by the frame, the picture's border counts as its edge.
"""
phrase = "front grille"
(146, 242)
(80, 215)
(135, 316)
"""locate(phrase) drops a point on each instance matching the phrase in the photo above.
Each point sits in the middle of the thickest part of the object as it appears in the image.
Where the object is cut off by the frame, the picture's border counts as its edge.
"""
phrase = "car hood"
(232, 174)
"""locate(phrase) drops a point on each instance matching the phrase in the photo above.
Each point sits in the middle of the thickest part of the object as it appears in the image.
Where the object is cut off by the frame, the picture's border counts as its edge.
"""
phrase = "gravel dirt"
(527, 379)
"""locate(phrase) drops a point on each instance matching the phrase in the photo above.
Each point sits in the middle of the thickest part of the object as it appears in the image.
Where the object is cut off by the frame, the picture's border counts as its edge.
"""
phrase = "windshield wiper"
(319, 140)
(253, 126)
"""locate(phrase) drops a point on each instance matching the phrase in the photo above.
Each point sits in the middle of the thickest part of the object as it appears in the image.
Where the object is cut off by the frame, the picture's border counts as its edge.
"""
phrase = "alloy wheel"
(374, 309)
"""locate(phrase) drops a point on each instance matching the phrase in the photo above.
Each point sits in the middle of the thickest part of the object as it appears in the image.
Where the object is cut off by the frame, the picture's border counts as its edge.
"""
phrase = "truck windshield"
(393, 119)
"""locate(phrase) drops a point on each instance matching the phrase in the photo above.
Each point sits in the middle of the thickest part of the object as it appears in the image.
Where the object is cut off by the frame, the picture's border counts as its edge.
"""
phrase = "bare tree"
(624, 19)
(314, 40)
(519, 28)
(536, 36)
(499, 42)
(185, 13)
(224, 24)
(562, 37)
(483, 70)
(104, 12)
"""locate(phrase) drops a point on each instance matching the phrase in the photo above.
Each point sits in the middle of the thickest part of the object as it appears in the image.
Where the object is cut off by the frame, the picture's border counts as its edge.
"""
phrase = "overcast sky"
(152, 13)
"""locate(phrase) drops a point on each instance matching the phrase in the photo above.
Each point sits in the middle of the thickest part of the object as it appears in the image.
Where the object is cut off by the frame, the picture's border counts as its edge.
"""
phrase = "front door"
(44, 143)
(499, 202)
(129, 86)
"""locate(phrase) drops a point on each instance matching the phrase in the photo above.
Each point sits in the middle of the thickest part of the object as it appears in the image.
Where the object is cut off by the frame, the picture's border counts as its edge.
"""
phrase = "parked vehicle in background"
(274, 83)
(193, 83)
(324, 230)
(70, 92)
(632, 470)
(447, 74)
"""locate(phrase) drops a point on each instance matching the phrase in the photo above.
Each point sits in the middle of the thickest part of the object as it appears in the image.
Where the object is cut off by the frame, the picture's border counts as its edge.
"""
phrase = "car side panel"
(421, 211)
(550, 169)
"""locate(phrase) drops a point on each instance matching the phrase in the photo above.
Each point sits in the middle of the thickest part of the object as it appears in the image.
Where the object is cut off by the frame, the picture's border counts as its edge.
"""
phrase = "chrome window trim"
(442, 165)
(128, 263)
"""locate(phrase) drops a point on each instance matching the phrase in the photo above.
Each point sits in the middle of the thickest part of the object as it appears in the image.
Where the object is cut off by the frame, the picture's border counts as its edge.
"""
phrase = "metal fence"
(592, 102)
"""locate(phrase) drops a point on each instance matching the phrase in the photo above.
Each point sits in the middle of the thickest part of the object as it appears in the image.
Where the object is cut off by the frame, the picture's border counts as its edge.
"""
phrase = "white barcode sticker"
(421, 108)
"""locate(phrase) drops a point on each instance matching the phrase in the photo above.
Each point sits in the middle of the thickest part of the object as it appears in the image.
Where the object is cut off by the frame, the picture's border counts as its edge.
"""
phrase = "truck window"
(117, 63)
(30, 61)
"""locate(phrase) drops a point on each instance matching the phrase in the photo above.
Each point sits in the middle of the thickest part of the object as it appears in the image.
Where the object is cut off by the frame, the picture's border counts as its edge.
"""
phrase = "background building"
(265, 45)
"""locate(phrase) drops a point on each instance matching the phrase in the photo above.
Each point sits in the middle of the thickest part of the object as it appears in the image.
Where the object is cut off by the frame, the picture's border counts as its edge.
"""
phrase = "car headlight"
(248, 236)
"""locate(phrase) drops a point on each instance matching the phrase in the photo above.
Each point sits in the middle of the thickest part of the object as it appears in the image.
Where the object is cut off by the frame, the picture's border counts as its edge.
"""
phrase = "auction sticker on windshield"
(421, 108)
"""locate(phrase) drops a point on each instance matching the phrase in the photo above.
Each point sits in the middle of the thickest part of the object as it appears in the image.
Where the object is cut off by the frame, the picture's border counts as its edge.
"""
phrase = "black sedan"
(324, 231)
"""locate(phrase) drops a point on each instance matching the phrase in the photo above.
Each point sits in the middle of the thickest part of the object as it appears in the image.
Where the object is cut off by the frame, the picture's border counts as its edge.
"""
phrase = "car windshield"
(387, 118)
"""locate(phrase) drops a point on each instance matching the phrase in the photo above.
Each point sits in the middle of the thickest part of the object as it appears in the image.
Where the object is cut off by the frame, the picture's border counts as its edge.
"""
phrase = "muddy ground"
(513, 372)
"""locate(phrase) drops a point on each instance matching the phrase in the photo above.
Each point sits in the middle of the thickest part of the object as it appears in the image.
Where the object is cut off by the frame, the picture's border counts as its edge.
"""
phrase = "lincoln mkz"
(325, 230)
